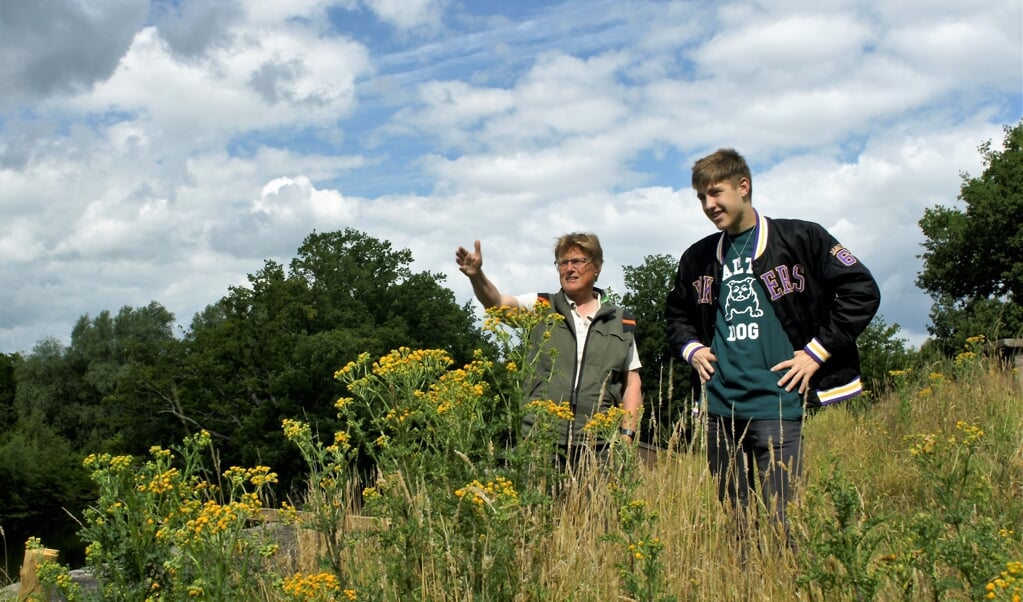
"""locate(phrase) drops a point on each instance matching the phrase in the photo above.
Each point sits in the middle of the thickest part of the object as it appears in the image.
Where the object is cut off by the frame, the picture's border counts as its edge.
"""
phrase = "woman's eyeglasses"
(575, 262)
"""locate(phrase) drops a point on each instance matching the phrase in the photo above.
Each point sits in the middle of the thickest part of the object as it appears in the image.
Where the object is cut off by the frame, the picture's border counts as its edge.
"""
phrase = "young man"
(596, 366)
(767, 313)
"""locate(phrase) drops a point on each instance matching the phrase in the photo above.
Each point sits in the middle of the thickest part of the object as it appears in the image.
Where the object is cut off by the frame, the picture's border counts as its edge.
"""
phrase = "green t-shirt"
(748, 340)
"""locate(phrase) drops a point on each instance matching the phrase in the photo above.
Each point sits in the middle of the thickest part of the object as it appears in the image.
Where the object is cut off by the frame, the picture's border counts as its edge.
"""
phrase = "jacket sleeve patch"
(843, 255)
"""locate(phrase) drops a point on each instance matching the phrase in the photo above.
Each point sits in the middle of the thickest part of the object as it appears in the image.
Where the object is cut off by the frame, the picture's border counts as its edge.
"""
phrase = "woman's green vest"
(602, 376)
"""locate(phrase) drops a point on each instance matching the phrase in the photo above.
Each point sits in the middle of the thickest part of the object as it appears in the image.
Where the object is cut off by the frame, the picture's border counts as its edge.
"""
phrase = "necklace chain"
(742, 253)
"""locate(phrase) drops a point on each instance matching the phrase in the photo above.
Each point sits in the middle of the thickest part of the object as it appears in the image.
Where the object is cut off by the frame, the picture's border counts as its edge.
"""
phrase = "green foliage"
(163, 529)
(932, 513)
(881, 351)
(449, 500)
(39, 473)
(641, 569)
(128, 364)
(8, 413)
(839, 539)
(48, 390)
(244, 372)
(956, 544)
(952, 323)
(913, 506)
(265, 351)
(268, 350)
(110, 388)
(437, 445)
(666, 394)
(971, 262)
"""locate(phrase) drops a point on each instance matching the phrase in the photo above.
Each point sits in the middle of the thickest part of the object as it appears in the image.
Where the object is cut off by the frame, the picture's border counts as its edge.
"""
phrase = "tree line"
(268, 350)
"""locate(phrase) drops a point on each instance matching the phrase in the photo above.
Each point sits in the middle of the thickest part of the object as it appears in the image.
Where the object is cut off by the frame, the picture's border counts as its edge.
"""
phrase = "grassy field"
(913, 495)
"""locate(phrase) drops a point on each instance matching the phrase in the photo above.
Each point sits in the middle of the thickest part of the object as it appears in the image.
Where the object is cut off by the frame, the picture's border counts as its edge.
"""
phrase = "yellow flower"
(318, 586)
(498, 493)
(350, 367)
(295, 430)
(122, 462)
(559, 410)
(341, 439)
(605, 421)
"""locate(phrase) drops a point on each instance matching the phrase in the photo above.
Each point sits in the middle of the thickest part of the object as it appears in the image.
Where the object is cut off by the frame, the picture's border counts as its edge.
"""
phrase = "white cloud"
(62, 46)
(163, 159)
(267, 79)
(811, 48)
(409, 15)
(19, 244)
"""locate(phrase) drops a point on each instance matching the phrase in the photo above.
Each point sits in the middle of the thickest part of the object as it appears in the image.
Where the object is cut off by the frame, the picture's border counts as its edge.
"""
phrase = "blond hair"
(586, 241)
(723, 165)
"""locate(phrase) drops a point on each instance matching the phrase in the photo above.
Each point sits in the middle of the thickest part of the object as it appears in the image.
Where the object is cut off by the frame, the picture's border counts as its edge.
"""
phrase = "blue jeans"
(746, 455)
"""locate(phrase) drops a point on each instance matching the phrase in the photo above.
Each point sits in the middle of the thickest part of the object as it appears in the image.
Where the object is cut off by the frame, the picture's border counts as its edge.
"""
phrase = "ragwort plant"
(424, 433)
(315, 587)
(1008, 585)
(161, 530)
(54, 577)
(640, 568)
(839, 540)
(456, 491)
(958, 544)
(328, 497)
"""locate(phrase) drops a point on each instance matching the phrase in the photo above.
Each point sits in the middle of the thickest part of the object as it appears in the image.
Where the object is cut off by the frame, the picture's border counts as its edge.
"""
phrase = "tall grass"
(913, 495)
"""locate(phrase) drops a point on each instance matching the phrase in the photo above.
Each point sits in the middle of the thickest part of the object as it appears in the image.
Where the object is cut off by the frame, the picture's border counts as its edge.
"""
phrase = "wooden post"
(29, 581)
(1010, 351)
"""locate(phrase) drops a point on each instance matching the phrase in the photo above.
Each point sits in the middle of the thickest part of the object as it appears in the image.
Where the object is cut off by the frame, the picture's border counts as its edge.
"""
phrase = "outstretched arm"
(470, 263)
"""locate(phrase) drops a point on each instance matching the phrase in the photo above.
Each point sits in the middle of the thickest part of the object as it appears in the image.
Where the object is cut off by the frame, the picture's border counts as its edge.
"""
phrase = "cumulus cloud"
(163, 155)
(274, 224)
(62, 46)
(191, 30)
(409, 15)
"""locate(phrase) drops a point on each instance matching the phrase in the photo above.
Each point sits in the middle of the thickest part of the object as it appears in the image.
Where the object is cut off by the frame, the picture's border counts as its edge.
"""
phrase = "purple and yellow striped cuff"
(689, 349)
(837, 394)
(817, 351)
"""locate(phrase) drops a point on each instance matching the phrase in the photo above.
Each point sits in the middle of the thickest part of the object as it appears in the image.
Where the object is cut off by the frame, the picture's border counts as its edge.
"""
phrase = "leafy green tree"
(881, 351)
(130, 363)
(109, 390)
(8, 414)
(356, 281)
(666, 393)
(268, 351)
(39, 472)
(244, 372)
(972, 266)
(49, 391)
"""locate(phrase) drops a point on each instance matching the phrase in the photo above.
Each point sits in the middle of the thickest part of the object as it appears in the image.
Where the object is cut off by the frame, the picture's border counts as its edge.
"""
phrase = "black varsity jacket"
(823, 297)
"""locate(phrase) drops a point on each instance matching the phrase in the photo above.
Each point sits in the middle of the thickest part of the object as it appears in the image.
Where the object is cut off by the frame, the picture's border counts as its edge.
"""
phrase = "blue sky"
(162, 150)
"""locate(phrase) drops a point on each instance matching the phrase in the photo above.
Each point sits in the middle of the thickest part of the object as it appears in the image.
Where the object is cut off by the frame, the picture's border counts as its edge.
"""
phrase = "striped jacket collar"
(760, 241)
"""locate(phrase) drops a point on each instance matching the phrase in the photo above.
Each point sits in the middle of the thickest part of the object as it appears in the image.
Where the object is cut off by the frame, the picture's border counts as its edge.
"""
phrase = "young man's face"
(724, 204)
